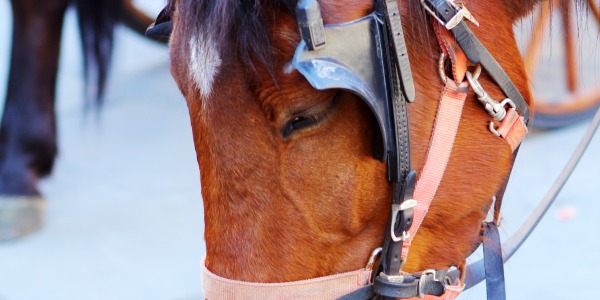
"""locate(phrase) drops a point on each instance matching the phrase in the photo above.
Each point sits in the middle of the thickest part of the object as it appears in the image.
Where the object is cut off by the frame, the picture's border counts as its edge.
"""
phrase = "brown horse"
(28, 143)
(290, 187)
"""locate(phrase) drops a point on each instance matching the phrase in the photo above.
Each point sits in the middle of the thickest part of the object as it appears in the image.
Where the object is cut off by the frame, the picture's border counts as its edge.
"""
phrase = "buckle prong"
(396, 209)
(461, 13)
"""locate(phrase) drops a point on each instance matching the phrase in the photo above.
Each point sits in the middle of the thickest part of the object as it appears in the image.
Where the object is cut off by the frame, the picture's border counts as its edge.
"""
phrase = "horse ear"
(521, 8)
(161, 29)
(291, 5)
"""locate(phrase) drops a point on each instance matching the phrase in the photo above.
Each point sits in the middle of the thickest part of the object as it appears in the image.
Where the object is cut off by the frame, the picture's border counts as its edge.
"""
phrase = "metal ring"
(441, 68)
(509, 102)
(474, 83)
(374, 255)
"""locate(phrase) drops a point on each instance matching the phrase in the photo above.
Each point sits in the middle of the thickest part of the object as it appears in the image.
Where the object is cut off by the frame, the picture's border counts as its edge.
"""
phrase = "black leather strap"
(474, 51)
(401, 175)
(478, 54)
(400, 57)
(412, 286)
(494, 266)
(391, 261)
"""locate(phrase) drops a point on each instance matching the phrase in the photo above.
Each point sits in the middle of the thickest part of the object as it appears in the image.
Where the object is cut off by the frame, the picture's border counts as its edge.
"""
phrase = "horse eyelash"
(301, 121)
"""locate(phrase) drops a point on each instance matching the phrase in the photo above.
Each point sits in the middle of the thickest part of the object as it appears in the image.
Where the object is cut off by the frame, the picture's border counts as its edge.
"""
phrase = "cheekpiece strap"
(442, 140)
(440, 146)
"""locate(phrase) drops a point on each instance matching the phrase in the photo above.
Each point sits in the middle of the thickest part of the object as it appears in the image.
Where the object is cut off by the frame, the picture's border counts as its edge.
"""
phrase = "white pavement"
(124, 217)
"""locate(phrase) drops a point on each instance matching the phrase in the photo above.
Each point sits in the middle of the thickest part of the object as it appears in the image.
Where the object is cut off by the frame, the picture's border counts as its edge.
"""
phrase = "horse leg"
(28, 128)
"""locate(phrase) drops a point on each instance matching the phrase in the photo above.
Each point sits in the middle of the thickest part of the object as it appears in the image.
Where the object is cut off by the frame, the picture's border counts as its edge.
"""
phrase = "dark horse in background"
(28, 144)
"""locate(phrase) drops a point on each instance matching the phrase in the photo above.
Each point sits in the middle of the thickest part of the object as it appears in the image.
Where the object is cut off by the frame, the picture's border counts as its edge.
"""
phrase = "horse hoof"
(20, 216)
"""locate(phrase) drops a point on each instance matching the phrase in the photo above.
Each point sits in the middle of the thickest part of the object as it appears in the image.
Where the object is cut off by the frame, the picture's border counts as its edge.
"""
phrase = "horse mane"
(236, 27)
(240, 27)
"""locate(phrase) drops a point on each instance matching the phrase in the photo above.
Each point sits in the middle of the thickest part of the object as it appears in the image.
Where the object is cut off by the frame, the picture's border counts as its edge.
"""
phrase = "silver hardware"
(503, 103)
(423, 275)
(461, 13)
(392, 278)
(372, 258)
(310, 21)
(492, 128)
(397, 208)
(494, 108)
(441, 67)
(408, 204)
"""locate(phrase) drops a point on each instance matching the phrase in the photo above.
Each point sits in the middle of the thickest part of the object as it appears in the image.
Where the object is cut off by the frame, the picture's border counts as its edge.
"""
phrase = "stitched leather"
(399, 163)
(400, 57)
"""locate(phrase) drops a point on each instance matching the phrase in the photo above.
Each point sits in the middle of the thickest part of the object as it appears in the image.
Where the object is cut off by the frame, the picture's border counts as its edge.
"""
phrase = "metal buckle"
(461, 13)
(310, 22)
(396, 209)
(424, 275)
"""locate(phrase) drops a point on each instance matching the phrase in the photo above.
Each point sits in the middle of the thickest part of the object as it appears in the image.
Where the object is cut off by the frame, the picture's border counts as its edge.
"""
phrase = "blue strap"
(494, 267)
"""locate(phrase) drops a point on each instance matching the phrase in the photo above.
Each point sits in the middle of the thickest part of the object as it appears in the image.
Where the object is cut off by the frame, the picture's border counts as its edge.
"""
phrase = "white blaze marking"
(205, 62)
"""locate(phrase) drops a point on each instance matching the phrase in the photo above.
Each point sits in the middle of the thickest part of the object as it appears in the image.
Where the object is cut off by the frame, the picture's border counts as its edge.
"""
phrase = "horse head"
(292, 189)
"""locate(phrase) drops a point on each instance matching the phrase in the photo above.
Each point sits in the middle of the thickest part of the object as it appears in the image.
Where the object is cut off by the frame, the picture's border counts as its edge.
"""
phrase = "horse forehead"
(204, 63)
(335, 12)
(205, 58)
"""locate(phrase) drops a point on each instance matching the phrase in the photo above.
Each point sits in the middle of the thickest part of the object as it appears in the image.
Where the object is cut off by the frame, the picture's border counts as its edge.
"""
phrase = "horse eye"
(310, 117)
(297, 123)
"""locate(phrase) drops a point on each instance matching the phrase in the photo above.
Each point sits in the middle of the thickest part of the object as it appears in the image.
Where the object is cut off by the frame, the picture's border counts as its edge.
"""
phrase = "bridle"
(368, 57)
(379, 72)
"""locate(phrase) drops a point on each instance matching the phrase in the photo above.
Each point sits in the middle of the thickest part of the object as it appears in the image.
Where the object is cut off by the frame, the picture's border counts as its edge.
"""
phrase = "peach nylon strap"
(328, 287)
(513, 129)
(440, 146)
